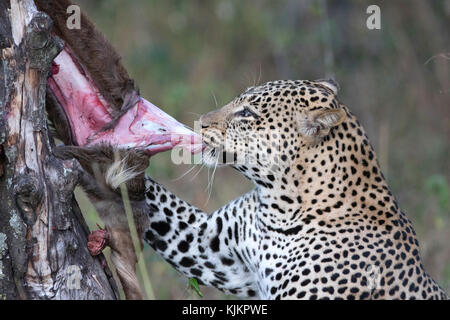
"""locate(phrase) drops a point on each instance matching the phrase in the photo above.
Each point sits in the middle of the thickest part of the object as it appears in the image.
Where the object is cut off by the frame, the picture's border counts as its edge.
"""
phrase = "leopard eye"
(245, 113)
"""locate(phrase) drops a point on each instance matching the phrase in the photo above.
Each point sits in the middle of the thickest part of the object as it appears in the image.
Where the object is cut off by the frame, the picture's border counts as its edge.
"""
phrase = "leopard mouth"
(210, 155)
(214, 156)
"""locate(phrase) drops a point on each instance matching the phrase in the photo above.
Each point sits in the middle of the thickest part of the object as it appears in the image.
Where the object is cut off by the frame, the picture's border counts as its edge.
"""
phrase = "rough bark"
(43, 252)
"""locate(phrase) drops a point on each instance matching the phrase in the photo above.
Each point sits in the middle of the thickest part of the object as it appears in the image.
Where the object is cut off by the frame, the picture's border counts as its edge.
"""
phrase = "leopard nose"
(207, 119)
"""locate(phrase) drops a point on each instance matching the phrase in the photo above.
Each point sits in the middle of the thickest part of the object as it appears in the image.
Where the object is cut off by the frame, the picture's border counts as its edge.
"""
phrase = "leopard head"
(265, 129)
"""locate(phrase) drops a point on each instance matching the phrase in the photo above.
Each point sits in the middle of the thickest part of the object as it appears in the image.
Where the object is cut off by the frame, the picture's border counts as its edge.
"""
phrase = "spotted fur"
(321, 223)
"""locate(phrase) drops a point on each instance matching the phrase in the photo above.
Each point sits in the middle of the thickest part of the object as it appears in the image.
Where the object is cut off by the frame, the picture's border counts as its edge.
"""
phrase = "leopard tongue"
(143, 126)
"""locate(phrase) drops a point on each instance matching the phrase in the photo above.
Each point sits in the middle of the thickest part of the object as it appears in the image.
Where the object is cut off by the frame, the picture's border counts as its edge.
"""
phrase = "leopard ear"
(330, 84)
(317, 124)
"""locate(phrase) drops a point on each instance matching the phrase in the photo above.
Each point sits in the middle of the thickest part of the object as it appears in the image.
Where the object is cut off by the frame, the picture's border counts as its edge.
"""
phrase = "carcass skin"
(143, 126)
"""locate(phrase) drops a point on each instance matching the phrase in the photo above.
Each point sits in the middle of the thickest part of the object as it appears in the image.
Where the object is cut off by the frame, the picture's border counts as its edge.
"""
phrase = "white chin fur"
(117, 174)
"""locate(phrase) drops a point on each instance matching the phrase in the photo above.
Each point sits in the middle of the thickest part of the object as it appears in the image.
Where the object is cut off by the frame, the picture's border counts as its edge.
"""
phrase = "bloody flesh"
(143, 126)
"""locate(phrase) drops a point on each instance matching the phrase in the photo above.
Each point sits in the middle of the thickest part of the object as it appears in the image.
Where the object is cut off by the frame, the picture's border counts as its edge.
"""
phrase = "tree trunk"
(43, 252)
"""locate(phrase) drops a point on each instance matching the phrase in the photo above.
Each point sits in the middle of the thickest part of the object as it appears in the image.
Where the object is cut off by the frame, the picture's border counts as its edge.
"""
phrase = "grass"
(148, 289)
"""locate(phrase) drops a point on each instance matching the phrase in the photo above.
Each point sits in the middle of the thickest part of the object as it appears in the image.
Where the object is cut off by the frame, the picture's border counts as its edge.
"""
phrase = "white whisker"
(186, 173)
(215, 100)
(207, 185)
(188, 127)
(211, 182)
(195, 114)
(196, 174)
(259, 77)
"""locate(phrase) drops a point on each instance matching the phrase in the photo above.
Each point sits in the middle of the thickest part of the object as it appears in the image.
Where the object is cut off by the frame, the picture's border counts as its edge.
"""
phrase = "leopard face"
(264, 131)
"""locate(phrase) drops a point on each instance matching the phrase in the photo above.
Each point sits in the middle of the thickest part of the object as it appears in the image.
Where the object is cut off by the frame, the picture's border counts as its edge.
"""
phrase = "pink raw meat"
(143, 126)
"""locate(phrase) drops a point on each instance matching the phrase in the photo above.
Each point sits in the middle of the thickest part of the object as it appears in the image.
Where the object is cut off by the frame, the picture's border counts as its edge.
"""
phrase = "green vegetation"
(193, 283)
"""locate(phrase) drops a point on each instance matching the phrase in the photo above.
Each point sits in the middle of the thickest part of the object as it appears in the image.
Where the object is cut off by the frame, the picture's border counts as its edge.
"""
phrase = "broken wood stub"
(43, 252)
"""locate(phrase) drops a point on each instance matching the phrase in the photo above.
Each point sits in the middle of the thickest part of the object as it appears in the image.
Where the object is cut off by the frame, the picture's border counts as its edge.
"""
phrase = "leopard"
(321, 222)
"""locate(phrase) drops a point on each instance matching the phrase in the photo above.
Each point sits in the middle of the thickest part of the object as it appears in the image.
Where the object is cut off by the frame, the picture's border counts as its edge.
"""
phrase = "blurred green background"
(185, 55)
